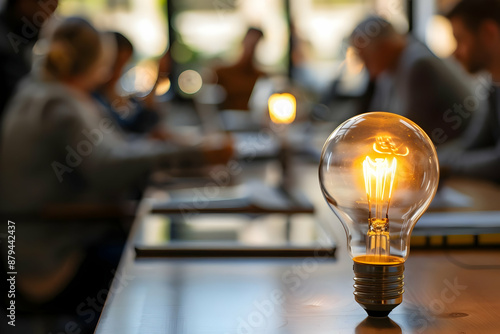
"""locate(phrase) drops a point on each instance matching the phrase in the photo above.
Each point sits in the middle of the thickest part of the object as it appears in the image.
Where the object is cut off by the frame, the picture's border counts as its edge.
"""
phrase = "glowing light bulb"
(378, 172)
(282, 108)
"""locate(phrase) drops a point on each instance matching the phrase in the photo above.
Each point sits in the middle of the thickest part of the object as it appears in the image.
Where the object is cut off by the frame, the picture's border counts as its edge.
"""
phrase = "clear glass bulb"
(379, 172)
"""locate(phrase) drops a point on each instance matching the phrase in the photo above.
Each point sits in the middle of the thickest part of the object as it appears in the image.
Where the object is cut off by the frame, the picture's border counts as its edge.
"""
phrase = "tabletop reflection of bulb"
(378, 172)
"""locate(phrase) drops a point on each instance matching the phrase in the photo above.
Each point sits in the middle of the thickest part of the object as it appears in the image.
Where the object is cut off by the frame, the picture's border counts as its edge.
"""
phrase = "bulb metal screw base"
(378, 288)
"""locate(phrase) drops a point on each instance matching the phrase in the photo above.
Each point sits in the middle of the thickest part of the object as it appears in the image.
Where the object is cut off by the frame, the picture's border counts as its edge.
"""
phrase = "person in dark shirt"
(239, 79)
(476, 26)
(20, 24)
(410, 80)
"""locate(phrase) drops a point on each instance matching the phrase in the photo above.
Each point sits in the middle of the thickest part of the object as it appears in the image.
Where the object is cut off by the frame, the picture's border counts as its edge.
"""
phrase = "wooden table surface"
(446, 291)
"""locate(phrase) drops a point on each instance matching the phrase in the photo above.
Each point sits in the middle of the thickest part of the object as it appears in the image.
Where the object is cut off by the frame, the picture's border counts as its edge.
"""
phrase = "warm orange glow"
(370, 259)
(385, 145)
(163, 86)
(282, 108)
(379, 180)
(379, 175)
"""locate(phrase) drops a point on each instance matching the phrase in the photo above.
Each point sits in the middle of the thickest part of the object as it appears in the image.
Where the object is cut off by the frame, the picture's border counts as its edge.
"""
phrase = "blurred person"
(53, 114)
(410, 80)
(59, 149)
(476, 26)
(20, 24)
(133, 115)
(238, 80)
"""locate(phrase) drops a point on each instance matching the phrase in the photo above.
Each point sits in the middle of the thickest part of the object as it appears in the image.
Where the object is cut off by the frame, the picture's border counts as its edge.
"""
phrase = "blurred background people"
(60, 150)
(20, 25)
(63, 149)
(131, 114)
(66, 128)
(409, 79)
(476, 26)
(80, 145)
(238, 80)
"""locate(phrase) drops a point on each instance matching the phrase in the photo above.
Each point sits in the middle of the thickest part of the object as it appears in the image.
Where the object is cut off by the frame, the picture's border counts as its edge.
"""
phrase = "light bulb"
(282, 108)
(378, 172)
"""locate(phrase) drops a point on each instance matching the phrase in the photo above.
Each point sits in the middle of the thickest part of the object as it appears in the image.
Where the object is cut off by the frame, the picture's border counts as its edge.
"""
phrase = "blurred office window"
(439, 34)
(142, 21)
(431, 27)
(213, 29)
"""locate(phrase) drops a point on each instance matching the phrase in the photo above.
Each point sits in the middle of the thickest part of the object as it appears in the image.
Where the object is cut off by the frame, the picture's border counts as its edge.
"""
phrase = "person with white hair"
(410, 80)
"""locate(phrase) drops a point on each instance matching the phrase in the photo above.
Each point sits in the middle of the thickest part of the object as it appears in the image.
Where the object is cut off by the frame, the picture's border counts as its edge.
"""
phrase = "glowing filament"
(385, 145)
(379, 180)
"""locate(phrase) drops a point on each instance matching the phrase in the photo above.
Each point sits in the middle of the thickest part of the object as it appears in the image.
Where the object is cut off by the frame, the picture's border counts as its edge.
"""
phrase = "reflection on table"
(447, 290)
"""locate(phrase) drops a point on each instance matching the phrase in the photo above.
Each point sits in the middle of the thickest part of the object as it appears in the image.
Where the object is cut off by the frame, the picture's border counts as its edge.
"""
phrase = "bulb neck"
(378, 288)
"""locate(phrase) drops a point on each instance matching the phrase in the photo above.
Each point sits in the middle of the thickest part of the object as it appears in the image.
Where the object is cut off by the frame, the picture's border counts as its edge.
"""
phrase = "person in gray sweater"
(59, 148)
